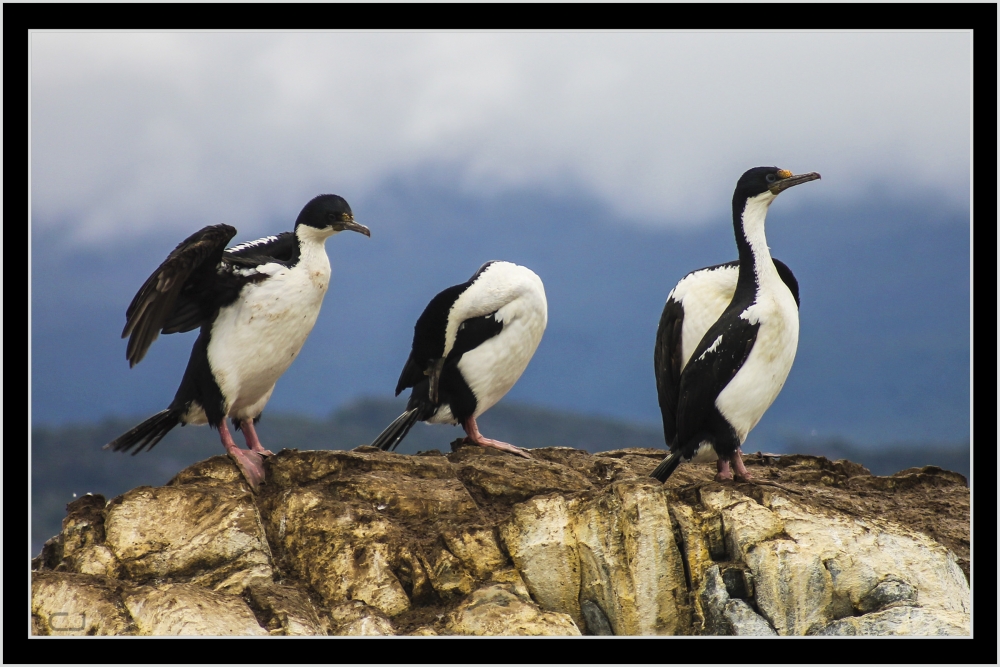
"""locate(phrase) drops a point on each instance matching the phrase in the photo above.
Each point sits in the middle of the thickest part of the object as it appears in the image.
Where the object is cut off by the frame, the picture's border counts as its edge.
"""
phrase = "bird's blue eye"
(771, 178)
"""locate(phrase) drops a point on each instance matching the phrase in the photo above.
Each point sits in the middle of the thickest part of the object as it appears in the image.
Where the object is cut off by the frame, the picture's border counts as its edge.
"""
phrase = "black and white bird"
(470, 345)
(255, 304)
(727, 339)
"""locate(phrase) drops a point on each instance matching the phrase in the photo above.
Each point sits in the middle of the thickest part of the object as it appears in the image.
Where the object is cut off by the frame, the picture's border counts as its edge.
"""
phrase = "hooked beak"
(790, 181)
(350, 225)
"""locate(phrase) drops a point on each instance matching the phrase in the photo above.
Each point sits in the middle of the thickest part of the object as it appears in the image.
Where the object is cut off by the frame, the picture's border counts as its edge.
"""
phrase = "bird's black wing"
(667, 365)
(283, 248)
(668, 355)
(426, 355)
(195, 259)
(788, 278)
(197, 303)
(714, 363)
(428, 338)
(472, 333)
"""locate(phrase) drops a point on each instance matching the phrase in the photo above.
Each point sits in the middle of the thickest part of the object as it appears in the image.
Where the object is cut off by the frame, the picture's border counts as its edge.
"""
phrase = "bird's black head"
(759, 180)
(331, 214)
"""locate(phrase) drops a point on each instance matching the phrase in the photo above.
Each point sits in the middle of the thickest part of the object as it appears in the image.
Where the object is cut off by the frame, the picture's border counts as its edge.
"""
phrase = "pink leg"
(474, 436)
(251, 437)
(249, 463)
(725, 474)
(741, 470)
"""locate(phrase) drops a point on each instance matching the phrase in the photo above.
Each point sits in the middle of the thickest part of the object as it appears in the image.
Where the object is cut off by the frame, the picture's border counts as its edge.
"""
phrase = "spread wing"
(282, 248)
(198, 301)
(195, 259)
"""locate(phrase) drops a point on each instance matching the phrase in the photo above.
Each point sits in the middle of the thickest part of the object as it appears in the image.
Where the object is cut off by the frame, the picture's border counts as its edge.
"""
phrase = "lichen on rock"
(477, 542)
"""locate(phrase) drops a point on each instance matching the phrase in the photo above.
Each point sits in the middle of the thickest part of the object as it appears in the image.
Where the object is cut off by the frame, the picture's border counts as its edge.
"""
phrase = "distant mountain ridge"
(884, 346)
(69, 460)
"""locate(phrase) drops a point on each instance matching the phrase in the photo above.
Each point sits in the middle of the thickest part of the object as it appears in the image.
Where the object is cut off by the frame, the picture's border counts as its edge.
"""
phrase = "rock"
(810, 568)
(83, 537)
(356, 619)
(363, 525)
(493, 476)
(900, 621)
(726, 616)
(479, 542)
(343, 551)
(597, 621)
(630, 565)
(94, 559)
(286, 610)
(65, 603)
(541, 540)
(747, 522)
(80, 547)
(830, 564)
(745, 621)
(890, 592)
(702, 542)
(446, 573)
(476, 549)
(209, 535)
(497, 611)
(189, 610)
(368, 627)
(514, 582)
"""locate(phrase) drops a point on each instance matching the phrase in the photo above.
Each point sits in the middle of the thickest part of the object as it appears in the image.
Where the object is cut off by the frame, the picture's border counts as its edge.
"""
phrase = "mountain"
(884, 353)
(68, 461)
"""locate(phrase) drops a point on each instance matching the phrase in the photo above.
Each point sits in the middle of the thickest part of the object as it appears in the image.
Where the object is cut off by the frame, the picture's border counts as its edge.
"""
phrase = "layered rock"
(482, 543)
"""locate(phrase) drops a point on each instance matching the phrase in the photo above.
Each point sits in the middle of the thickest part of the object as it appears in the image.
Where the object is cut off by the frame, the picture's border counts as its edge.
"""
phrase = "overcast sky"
(133, 130)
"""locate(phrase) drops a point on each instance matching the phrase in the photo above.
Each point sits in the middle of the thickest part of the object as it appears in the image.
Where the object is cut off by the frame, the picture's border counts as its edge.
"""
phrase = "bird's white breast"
(757, 383)
(255, 339)
(704, 295)
(517, 296)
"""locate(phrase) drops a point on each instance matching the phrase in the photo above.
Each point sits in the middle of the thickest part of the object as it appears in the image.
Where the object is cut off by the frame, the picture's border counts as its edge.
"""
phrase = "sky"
(603, 160)
(132, 132)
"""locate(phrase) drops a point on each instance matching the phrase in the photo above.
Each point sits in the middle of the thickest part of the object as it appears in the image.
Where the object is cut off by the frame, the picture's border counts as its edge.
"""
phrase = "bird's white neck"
(754, 215)
(312, 247)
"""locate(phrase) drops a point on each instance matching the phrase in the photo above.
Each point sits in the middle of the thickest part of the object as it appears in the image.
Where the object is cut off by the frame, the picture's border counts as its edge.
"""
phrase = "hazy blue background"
(603, 161)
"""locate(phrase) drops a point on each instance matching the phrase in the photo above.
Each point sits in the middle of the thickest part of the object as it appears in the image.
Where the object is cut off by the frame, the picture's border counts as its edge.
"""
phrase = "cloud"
(135, 130)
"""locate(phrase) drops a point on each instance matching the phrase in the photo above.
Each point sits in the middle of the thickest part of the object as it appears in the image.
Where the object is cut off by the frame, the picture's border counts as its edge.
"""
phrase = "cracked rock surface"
(478, 542)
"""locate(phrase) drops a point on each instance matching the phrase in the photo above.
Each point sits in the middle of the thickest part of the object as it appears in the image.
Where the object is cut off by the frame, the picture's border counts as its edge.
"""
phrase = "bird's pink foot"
(475, 437)
(250, 463)
(497, 444)
(253, 442)
(724, 474)
(741, 471)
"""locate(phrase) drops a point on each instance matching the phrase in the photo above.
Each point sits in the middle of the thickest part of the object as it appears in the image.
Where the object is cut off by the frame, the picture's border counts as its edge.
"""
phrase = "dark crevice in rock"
(50, 556)
(596, 619)
(679, 538)
(265, 616)
(715, 536)
(734, 578)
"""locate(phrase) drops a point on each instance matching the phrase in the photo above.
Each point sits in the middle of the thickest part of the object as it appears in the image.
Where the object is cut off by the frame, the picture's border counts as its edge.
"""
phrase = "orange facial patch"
(784, 173)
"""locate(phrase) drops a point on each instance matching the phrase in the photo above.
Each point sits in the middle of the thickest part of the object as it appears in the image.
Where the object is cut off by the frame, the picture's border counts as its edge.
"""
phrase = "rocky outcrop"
(477, 542)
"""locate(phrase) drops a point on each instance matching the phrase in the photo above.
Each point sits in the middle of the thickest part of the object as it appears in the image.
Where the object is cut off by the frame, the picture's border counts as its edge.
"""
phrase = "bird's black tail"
(394, 433)
(146, 434)
(667, 466)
